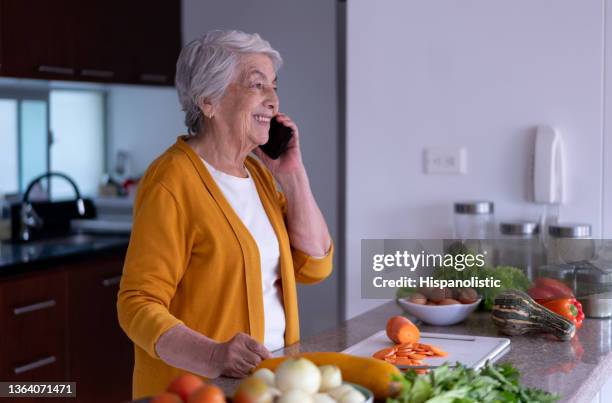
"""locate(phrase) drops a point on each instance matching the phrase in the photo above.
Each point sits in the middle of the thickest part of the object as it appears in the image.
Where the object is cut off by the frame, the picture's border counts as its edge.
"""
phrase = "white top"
(242, 195)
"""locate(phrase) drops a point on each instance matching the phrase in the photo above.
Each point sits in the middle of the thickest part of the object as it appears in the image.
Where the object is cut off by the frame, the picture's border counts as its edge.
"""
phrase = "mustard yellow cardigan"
(191, 260)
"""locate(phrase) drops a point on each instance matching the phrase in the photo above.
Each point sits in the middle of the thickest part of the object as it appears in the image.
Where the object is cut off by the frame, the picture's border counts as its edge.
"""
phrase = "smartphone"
(278, 140)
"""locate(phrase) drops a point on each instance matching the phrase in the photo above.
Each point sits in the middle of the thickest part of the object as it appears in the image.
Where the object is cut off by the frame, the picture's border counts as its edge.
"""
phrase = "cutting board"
(471, 351)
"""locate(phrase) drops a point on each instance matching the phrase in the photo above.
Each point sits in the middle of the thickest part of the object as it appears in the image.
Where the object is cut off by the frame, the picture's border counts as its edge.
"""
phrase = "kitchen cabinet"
(133, 42)
(100, 354)
(60, 324)
(154, 32)
(37, 39)
(33, 322)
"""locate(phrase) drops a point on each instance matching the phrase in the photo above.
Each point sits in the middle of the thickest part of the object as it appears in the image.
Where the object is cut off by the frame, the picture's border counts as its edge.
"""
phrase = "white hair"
(206, 67)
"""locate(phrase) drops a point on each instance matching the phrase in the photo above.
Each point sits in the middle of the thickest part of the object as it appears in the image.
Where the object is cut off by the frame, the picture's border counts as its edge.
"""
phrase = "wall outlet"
(445, 160)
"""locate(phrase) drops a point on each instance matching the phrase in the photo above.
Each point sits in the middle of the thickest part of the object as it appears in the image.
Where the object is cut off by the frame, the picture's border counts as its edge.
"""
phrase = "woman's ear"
(207, 109)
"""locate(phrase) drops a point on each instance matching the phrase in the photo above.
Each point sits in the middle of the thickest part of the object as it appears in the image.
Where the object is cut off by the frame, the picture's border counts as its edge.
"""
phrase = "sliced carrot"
(439, 352)
(409, 353)
(404, 361)
(385, 352)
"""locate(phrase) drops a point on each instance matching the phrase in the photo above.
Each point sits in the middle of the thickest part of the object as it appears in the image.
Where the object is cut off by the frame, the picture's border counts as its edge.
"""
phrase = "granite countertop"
(22, 257)
(575, 370)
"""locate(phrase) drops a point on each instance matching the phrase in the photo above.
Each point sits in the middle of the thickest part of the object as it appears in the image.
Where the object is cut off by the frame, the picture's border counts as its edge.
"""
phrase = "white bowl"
(367, 393)
(439, 315)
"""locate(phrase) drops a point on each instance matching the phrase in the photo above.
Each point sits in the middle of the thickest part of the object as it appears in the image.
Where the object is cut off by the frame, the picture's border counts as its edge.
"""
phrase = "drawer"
(33, 322)
(32, 288)
(48, 366)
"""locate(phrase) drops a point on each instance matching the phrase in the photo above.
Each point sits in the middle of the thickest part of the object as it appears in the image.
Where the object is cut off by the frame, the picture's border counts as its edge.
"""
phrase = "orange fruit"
(207, 394)
(184, 385)
(167, 397)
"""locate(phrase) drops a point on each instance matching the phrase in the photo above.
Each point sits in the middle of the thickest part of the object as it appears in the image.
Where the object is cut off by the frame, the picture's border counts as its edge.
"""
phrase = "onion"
(265, 375)
(323, 398)
(295, 396)
(255, 390)
(331, 377)
(298, 373)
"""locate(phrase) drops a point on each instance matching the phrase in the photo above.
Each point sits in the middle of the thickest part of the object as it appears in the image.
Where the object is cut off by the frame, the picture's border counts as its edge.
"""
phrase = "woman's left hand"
(290, 162)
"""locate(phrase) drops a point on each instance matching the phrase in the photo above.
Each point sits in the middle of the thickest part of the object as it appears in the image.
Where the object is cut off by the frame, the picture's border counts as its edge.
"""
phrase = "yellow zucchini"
(368, 372)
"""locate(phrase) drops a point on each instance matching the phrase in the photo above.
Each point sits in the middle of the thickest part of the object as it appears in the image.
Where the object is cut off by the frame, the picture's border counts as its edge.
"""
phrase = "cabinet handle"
(34, 364)
(34, 307)
(154, 78)
(110, 281)
(66, 71)
(97, 73)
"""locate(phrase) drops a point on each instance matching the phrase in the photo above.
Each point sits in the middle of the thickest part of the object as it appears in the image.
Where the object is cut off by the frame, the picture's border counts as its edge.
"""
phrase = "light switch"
(445, 160)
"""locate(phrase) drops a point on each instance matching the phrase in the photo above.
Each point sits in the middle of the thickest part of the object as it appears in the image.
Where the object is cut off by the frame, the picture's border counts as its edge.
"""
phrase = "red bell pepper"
(569, 308)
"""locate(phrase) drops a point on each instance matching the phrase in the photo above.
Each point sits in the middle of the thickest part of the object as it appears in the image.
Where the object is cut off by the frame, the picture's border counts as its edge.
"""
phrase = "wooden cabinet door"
(156, 40)
(1, 35)
(33, 323)
(100, 354)
(38, 38)
(99, 42)
(135, 41)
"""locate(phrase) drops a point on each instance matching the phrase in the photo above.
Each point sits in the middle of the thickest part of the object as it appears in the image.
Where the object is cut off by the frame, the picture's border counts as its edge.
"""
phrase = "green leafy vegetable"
(492, 384)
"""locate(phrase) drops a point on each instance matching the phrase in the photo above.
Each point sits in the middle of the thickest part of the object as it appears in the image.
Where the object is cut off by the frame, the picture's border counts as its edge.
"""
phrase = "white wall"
(607, 141)
(478, 74)
(147, 120)
(144, 121)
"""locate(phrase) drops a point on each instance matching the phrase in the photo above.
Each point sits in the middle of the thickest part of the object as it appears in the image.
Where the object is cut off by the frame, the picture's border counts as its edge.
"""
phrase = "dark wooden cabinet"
(60, 324)
(101, 45)
(155, 34)
(33, 322)
(38, 39)
(98, 348)
(134, 42)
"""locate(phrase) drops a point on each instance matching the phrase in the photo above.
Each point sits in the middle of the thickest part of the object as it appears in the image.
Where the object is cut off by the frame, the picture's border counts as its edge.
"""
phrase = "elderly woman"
(209, 282)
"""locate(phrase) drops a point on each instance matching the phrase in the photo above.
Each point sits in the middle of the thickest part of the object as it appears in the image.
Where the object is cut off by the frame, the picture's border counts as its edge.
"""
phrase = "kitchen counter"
(23, 257)
(574, 370)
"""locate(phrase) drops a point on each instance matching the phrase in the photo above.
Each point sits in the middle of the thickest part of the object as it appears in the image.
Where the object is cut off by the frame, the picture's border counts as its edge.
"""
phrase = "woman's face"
(249, 102)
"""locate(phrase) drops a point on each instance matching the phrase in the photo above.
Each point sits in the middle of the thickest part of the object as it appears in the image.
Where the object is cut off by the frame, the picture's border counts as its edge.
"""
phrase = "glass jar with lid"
(473, 220)
(569, 243)
(474, 225)
(594, 288)
(519, 246)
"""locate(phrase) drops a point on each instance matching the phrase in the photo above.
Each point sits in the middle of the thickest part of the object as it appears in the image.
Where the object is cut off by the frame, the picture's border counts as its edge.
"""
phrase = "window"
(58, 130)
(9, 168)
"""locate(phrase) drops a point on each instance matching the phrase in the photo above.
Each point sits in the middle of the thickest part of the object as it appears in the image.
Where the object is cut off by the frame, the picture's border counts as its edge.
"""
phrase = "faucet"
(29, 217)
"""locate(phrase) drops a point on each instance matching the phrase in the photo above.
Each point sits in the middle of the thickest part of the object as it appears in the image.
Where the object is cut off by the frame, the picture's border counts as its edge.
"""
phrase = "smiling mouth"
(262, 119)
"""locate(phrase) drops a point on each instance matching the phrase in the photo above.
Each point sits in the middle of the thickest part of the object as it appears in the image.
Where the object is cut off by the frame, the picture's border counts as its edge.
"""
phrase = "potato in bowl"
(441, 306)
